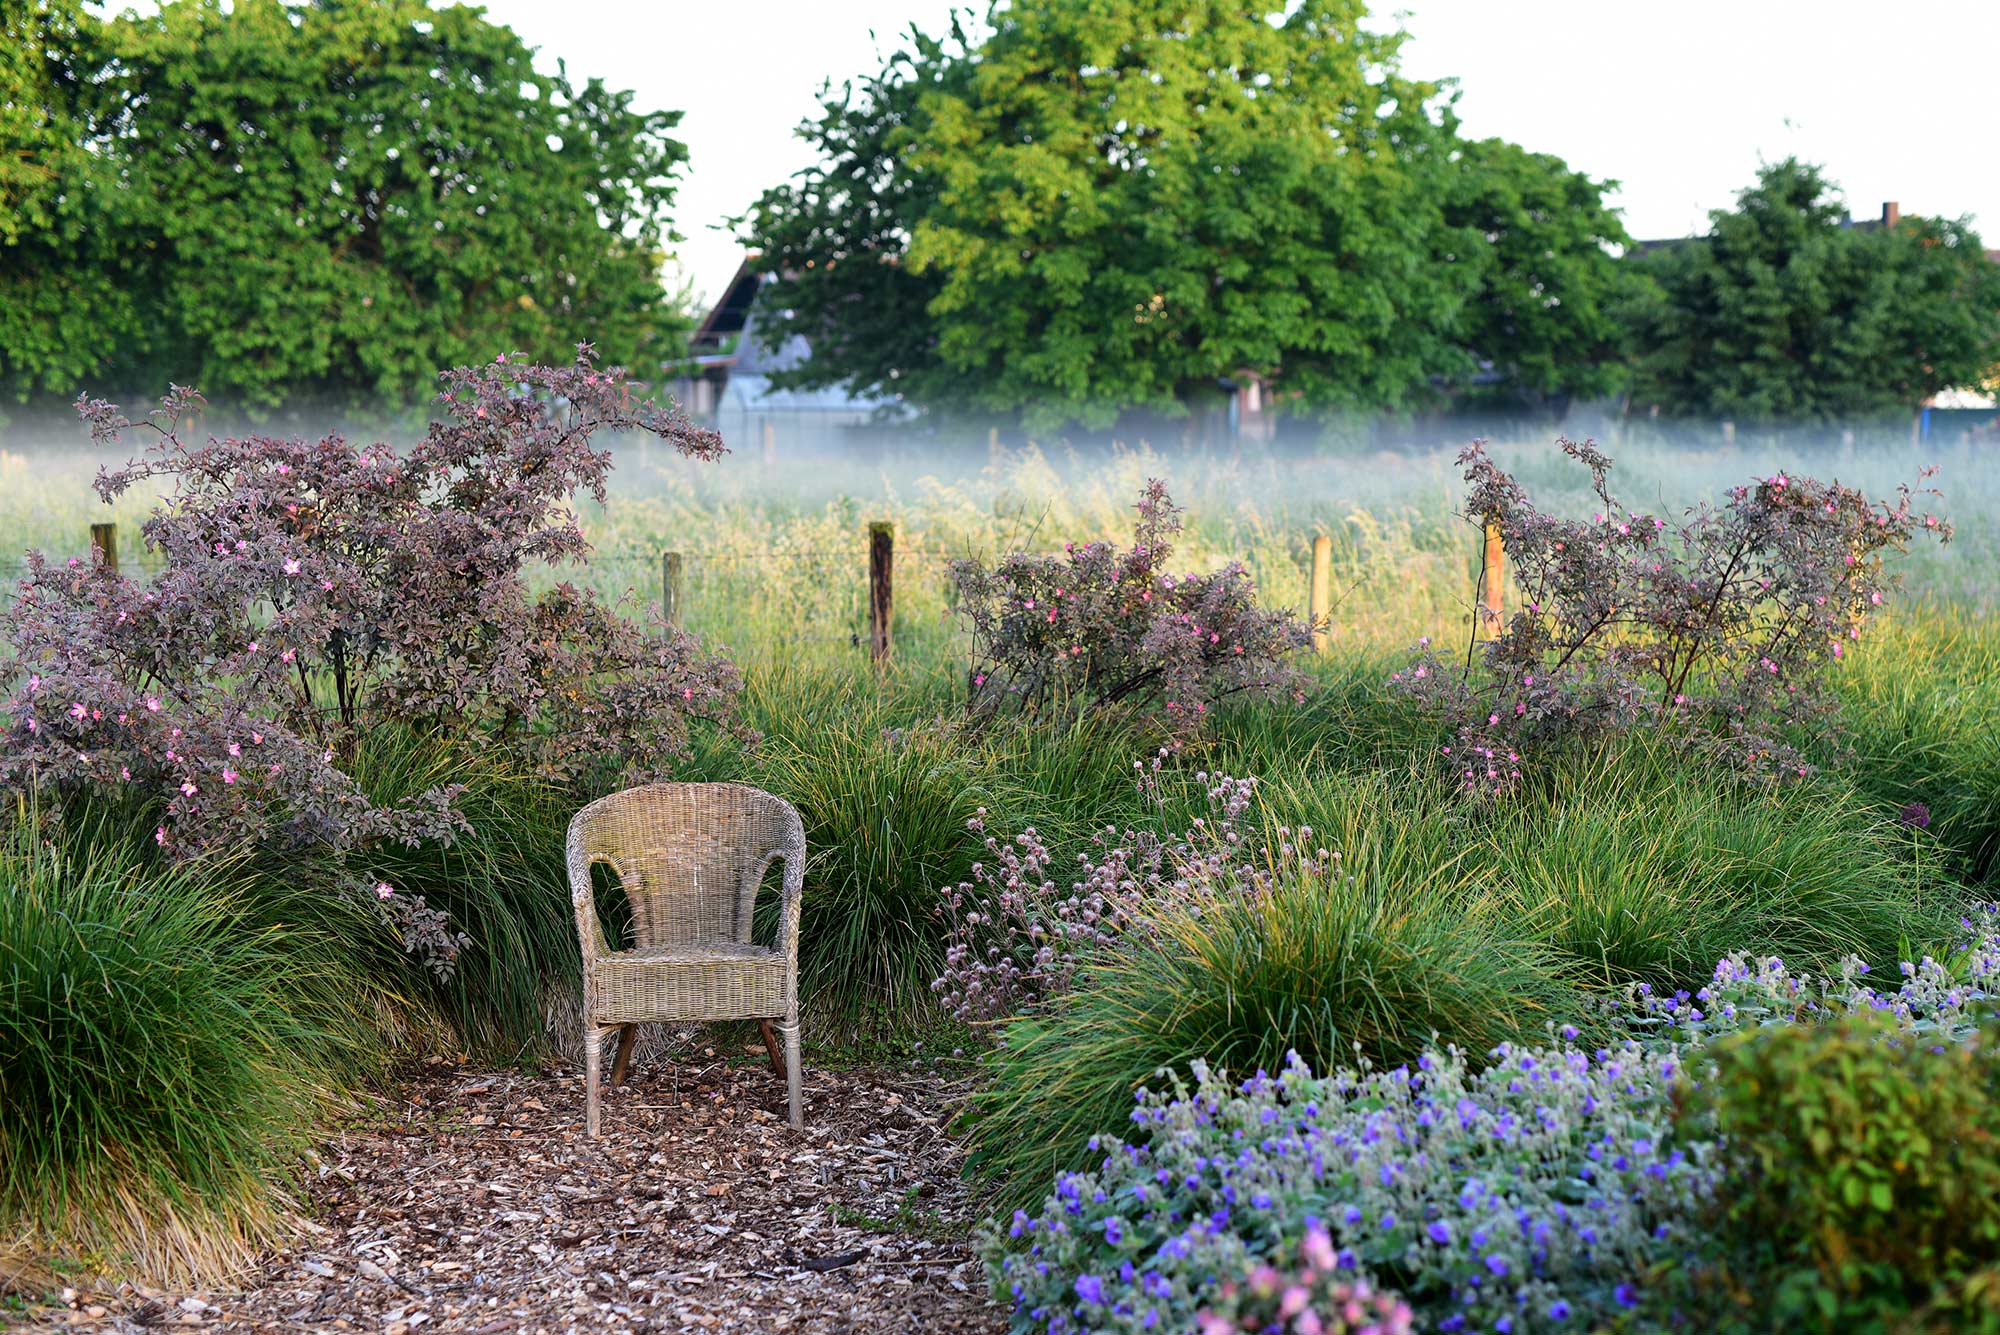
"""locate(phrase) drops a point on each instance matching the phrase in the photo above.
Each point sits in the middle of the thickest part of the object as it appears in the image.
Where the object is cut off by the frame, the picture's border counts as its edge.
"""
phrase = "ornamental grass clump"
(169, 1038)
(313, 591)
(1715, 629)
(1095, 628)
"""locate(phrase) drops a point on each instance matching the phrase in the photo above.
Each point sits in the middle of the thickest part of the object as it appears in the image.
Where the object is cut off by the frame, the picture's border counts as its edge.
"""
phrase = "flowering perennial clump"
(315, 590)
(1717, 625)
(1522, 1197)
(1534, 1193)
(1016, 937)
(1095, 627)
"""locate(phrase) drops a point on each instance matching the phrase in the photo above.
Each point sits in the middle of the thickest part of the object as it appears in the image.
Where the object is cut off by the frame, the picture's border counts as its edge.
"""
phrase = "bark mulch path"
(477, 1206)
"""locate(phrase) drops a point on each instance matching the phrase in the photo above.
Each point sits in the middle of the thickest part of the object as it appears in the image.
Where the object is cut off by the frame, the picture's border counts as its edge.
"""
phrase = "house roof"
(1847, 220)
(727, 316)
(748, 365)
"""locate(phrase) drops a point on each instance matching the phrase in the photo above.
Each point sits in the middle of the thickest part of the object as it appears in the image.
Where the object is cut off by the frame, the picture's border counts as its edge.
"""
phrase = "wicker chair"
(690, 858)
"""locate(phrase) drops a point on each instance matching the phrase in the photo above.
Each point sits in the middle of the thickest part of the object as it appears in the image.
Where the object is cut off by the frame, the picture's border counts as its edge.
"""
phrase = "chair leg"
(626, 1034)
(593, 1054)
(771, 1047)
(791, 1031)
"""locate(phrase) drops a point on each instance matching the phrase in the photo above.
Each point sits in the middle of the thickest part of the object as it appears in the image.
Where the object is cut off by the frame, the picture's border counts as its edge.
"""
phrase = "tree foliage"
(277, 197)
(1546, 319)
(1785, 312)
(67, 252)
(1099, 208)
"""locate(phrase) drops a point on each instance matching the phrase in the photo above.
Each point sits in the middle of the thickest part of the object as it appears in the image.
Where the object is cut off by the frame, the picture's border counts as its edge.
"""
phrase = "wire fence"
(767, 599)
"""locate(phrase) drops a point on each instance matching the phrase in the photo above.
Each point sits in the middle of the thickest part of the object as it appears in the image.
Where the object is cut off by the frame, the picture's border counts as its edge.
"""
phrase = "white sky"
(1676, 99)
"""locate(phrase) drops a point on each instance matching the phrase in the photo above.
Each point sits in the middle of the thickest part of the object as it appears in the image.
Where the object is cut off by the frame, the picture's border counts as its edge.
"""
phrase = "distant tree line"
(328, 199)
(1092, 209)
(1782, 313)
(1072, 213)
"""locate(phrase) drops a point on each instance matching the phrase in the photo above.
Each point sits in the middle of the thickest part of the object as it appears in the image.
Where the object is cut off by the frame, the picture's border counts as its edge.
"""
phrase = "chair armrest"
(793, 893)
(589, 933)
(793, 851)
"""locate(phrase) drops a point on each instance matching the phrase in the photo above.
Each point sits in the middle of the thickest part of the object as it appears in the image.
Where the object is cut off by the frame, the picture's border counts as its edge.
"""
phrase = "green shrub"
(1323, 966)
(1865, 1162)
(164, 1050)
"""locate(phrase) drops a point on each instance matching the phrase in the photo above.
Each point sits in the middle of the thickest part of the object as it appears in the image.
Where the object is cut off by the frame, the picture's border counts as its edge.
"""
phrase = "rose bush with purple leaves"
(313, 591)
(1716, 628)
(1095, 627)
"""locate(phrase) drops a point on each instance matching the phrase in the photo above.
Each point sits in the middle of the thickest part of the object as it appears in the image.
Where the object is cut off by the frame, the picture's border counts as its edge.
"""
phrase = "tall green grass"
(504, 883)
(1922, 715)
(1332, 968)
(166, 1049)
(1636, 866)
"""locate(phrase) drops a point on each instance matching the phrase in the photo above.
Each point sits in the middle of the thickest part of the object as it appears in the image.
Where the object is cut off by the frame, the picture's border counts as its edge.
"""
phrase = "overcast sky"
(1677, 100)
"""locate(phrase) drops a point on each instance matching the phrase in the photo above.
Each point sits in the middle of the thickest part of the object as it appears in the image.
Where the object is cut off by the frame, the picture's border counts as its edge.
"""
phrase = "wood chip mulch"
(477, 1206)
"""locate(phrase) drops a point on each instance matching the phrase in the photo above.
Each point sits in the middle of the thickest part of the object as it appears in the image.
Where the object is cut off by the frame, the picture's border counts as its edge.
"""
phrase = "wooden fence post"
(673, 592)
(1493, 581)
(770, 443)
(104, 541)
(1322, 592)
(881, 587)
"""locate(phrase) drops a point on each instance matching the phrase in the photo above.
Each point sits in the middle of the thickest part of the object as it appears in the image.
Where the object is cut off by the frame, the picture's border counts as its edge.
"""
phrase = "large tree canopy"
(1784, 313)
(317, 196)
(1096, 208)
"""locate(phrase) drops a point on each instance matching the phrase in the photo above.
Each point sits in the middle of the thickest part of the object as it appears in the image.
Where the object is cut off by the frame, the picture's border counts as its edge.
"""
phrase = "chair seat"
(720, 981)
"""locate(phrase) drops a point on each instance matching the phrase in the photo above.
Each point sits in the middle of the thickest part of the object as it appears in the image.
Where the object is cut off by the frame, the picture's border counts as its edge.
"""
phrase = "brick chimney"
(1892, 213)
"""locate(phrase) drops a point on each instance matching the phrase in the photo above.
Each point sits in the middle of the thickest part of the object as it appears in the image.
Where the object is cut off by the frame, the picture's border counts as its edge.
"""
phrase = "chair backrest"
(690, 856)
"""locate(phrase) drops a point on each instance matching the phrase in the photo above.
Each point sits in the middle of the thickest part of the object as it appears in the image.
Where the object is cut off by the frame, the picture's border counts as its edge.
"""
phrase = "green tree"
(1784, 313)
(336, 197)
(1546, 320)
(1106, 207)
(67, 256)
